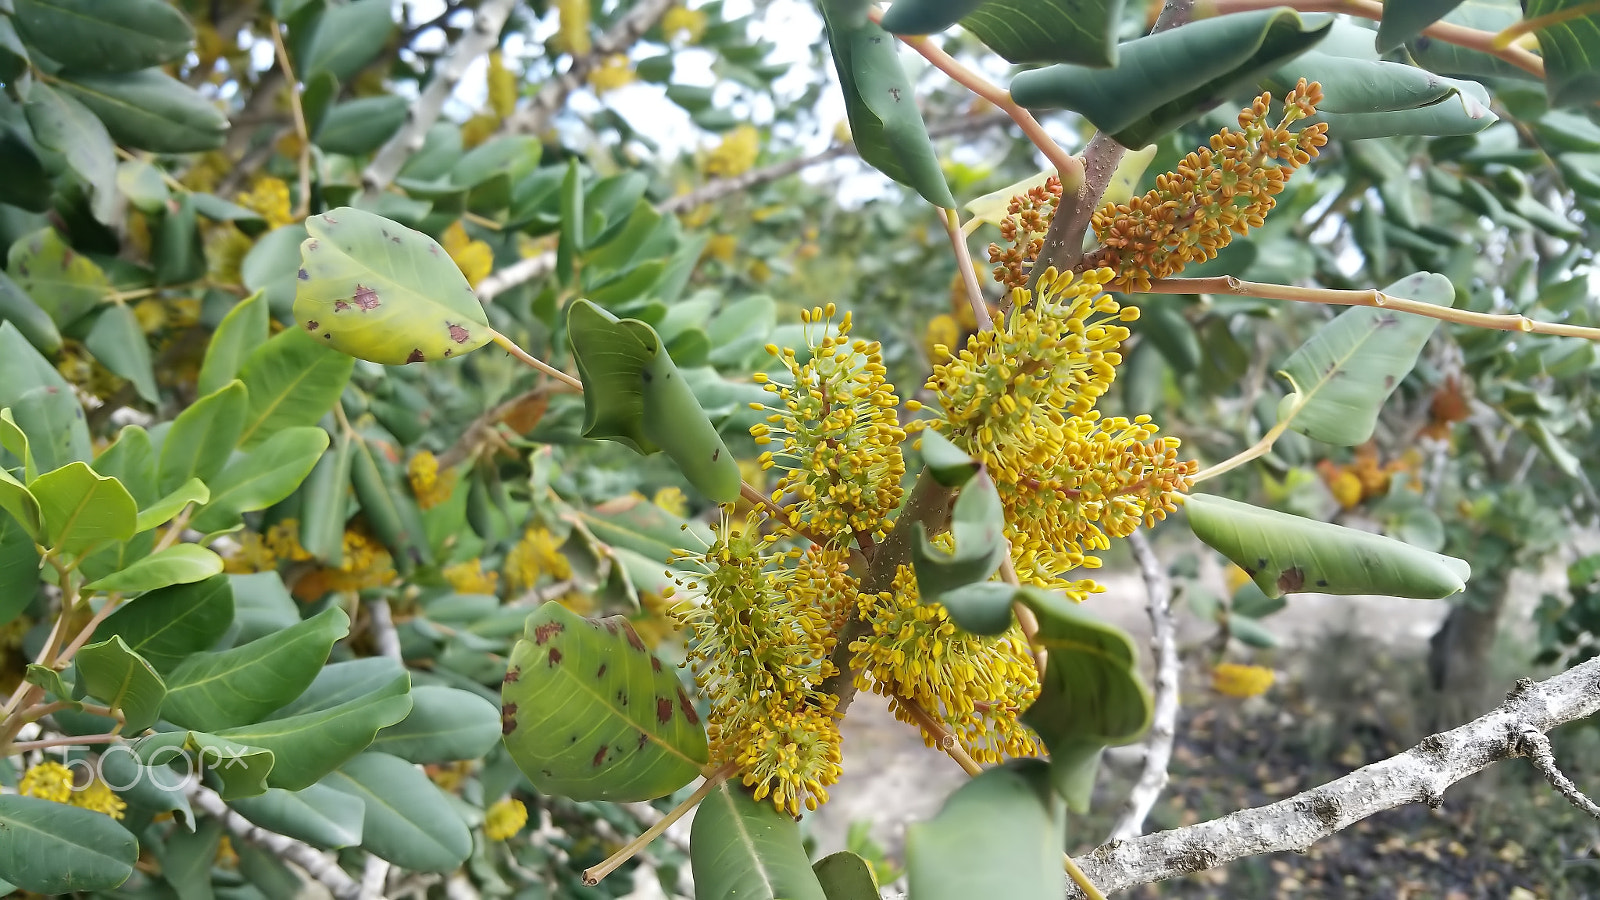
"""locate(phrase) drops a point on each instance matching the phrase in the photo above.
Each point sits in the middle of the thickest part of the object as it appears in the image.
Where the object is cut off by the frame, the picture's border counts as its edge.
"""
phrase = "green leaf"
(742, 848)
(309, 745)
(62, 124)
(1453, 59)
(168, 625)
(950, 467)
(50, 680)
(360, 126)
(846, 876)
(1405, 21)
(41, 401)
(634, 523)
(262, 605)
(242, 330)
(82, 509)
(178, 564)
(591, 746)
(94, 36)
(141, 183)
(22, 312)
(242, 770)
(1570, 46)
(64, 284)
(151, 110)
(122, 679)
(881, 103)
(635, 395)
(348, 37)
(117, 341)
(203, 436)
(19, 569)
(1091, 697)
(998, 835)
(1343, 375)
(261, 478)
(17, 500)
(978, 525)
(176, 252)
(168, 507)
(318, 815)
(445, 724)
(52, 848)
(325, 503)
(29, 186)
(981, 608)
(1048, 31)
(1369, 98)
(382, 292)
(293, 381)
(236, 687)
(409, 821)
(1286, 554)
(271, 267)
(186, 859)
(389, 508)
(143, 786)
(1168, 79)
(131, 460)
(217, 209)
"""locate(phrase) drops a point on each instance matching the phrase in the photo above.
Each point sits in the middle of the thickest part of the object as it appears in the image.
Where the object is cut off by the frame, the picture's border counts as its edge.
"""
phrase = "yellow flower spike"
(427, 484)
(97, 797)
(735, 155)
(1237, 680)
(536, 553)
(504, 818)
(469, 577)
(48, 780)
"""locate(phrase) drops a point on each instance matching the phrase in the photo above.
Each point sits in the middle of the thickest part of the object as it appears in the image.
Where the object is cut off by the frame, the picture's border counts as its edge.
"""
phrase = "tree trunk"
(1459, 656)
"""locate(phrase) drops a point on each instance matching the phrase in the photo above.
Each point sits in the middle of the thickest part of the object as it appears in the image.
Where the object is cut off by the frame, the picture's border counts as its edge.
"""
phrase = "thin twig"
(593, 874)
(1163, 725)
(528, 359)
(1227, 284)
(1536, 747)
(1067, 166)
(71, 740)
(302, 206)
(951, 220)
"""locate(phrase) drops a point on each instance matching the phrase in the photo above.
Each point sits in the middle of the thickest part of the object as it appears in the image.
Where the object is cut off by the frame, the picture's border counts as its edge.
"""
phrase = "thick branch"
(535, 118)
(1422, 773)
(480, 39)
(316, 864)
(1164, 724)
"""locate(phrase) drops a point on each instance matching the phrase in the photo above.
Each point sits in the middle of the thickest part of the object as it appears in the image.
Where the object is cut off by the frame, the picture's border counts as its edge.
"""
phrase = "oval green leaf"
(743, 849)
(293, 381)
(999, 835)
(52, 848)
(318, 815)
(409, 821)
(96, 36)
(82, 509)
(382, 292)
(167, 626)
(590, 714)
(444, 725)
(266, 475)
(1287, 554)
(120, 678)
(178, 564)
(202, 437)
(151, 110)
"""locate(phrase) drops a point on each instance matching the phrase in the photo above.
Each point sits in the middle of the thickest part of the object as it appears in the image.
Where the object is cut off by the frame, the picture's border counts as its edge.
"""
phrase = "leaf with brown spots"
(1285, 553)
(592, 714)
(384, 293)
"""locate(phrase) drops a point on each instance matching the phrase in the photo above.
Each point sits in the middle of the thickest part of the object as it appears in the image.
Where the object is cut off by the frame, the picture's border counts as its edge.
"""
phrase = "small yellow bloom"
(48, 780)
(573, 26)
(475, 259)
(99, 798)
(470, 578)
(1346, 488)
(689, 22)
(502, 86)
(1238, 680)
(269, 198)
(736, 154)
(504, 819)
(427, 484)
(478, 129)
(614, 72)
(672, 500)
(942, 334)
(537, 553)
(721, 247)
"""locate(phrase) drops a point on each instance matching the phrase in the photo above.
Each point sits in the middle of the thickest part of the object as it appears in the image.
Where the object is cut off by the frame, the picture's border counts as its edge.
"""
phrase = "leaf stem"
(302, 207)
(1258, 449)
(1227, 284)
(1069, 167)
(951, 219)
(593, 875)
(112, 602)
(1517, 29)
(533, 361)
(69, 741)
(175, 528)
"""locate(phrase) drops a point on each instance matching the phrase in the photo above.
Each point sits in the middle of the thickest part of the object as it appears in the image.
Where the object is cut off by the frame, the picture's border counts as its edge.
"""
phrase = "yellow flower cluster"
(470, 578)
(53, 781)
(691, 23)
(1215, 193)
(762, 631)
(502, 86)
(736, 154)
(1021, 398)
(839, 430)
(572, 26)
(975, 685)
(364, 563)
(79, 367)
(269, 198)
(475, 259)
(427, 484)
(263, 552)
(537, 553)
(1238, 680)
(614, 71)
(504, 818)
